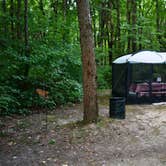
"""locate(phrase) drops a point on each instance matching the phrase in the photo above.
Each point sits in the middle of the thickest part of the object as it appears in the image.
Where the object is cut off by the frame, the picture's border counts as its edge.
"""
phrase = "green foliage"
(60, 69)
(66, 90)
(54, 61)
(104, 77)
(53, 69)
(52, 142)
(104, 73)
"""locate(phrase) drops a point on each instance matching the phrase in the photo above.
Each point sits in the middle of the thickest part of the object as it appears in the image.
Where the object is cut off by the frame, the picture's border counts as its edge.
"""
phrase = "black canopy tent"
(140, 77)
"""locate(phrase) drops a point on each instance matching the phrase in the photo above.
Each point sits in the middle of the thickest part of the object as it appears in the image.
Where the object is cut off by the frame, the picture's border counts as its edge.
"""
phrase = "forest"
(40, 50)
(64, 99)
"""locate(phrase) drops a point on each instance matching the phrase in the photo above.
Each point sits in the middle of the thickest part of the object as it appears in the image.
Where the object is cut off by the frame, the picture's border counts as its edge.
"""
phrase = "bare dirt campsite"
(140, 139)
(63, 64)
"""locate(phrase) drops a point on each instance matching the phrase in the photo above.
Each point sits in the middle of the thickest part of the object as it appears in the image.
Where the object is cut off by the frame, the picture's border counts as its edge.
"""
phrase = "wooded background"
(39, 46)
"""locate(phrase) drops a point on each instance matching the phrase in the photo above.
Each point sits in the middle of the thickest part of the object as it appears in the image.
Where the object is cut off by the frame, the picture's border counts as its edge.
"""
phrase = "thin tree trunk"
(18, 19)
(140, 38)
(41, 7)
(88, 60)
(140, 29)
(101, 25)
(12, 15)
(110, 32)
(64, 9)
(66, 20)
(158, 22)
(4, 18)
(134, 20)
(128, 16)
(26, 36)
(54, 5)
(118, 23)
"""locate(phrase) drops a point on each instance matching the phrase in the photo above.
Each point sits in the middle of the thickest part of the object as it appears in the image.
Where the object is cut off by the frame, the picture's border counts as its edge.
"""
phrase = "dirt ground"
(140, 139)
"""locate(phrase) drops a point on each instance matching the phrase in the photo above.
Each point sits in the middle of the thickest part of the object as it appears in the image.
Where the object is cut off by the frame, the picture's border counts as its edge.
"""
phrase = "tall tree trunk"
(134, 21)
(41, 7)
(118, 23)
(11, 17)
(54, 5)
(128, 16)
(110, 32)
(94, 25)
(18, 19)
(4, 18)
(101, 25)
(26, 36)
(64, 9)
(140, 38)
(140, 28)
(158, 22)
(110, 47)
(88, 60)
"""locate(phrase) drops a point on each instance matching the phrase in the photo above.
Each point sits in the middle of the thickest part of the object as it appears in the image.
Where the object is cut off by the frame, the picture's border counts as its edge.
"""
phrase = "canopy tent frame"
(122, 79)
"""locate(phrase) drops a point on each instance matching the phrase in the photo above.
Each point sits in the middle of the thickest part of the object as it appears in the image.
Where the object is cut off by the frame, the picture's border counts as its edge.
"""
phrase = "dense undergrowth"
(55, 70)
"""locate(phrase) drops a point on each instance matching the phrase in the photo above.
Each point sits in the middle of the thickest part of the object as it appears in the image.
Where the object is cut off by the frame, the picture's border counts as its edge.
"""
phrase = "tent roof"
(122, 59)
(143, 57)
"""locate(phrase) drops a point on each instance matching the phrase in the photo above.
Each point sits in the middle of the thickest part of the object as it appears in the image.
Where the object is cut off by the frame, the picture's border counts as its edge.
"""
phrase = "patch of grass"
(22, 124)
(74, 125)
(79, 124)
(52, 142)
(51, 118)
(104, 122)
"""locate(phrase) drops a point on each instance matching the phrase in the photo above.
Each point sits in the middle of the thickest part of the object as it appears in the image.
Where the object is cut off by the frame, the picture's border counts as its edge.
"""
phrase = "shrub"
(104, 76)
(55, 69)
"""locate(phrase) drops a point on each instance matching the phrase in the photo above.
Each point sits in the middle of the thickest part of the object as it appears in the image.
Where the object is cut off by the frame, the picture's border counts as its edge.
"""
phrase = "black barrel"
(117, 107)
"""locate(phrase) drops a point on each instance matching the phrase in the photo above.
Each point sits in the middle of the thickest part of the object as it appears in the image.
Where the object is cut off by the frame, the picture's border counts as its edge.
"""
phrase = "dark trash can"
(117, 107)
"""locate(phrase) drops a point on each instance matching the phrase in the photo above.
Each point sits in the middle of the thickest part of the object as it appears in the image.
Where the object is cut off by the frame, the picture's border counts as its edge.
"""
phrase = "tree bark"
(64, 7)
(110, 32)
(118, 24)
(26, 36)
(12, 15)
(158, 22)
(134, 21)
(140, 28)
(88, 60)
(128, 16)
(93, 11)
(18, 19)
(102, 14)
(64, 32)
(4, 18)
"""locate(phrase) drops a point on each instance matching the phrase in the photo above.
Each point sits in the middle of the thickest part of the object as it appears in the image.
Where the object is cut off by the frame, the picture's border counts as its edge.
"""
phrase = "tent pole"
(113, 80)
(127, 81)
(150, 83)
